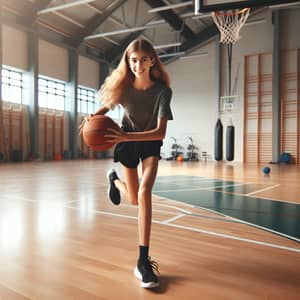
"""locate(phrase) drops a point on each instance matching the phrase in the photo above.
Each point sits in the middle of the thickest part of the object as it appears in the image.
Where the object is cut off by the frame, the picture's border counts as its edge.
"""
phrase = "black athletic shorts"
(129, 154)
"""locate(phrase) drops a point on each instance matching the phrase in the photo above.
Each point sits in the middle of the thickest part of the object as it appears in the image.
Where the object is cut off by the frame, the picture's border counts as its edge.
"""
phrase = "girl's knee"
(145, 190)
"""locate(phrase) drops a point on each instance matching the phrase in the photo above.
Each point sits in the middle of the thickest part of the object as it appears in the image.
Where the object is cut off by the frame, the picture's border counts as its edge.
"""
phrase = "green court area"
(231, 199)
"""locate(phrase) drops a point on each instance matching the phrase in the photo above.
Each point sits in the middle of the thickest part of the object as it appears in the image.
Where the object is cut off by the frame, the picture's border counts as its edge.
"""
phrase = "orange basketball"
(94, 131)
(179, 158)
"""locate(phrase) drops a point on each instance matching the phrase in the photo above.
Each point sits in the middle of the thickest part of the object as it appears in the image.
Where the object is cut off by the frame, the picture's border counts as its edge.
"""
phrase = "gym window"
(86, 102)
(12, 83)
(52, 93)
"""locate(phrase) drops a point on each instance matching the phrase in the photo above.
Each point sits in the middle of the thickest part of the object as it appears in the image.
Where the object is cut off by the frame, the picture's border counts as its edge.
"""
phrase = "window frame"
(54, 90)
(10, 86)
(85, 92)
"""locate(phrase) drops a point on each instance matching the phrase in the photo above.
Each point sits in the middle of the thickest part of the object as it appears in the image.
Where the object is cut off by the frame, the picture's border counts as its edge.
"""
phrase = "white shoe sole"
(146, 285)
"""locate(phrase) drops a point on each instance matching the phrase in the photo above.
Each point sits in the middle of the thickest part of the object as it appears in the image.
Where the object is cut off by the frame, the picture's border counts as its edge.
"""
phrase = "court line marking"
(222, 186)
(271, 245)
(238, 194)
(184, 212)
(173, 219)
(153, 209)
(228, 185)
(261, 197)
(235, 219)
(192, 214)
(228, 177)
(251, 224)
(159, 179)
(16, 197)
(177, 190)
(268, 229)
(262, 190)
(212, 211)
(195, 229)
(173, 207)
(257, 197)
(72, 201)
(271, 199)
(226, 236)
(164, 211)
(199, 179)
(195, 181)
(200, 188)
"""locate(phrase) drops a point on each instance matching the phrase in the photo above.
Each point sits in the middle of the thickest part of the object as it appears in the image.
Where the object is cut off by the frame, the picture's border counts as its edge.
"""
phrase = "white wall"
(53, 61)
(15, 48)
(88, 72)
(290, 29)
(194, 86)
(194, 83)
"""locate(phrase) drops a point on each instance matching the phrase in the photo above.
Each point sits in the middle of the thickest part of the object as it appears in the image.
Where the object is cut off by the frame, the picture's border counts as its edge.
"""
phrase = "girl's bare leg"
(149, 170)
(129, 188)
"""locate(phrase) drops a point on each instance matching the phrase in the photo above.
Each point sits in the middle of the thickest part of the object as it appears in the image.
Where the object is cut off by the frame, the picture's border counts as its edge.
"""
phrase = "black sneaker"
(145, 271)
(112, 192)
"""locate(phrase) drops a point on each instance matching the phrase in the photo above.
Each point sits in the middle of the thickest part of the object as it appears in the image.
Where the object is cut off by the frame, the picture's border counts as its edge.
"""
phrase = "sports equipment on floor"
(266, 170)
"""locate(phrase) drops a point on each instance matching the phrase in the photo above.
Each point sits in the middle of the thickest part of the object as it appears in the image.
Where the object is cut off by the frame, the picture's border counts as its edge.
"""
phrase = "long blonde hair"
(112, 89)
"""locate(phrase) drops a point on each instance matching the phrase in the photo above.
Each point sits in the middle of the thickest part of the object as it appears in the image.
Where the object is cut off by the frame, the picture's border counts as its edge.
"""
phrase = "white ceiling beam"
(94, 8)
(167, 45)
(116, 32)
(255, 21)
(111, 41)
(63, 6)
(194, 55)
(172, 54)
(172, 6)
(116, 21)
(82, 26)
(111, 4)
(202, 16)
(119, 23)
(284, 5)
(186, 15)
(100, 12)
(68, 19)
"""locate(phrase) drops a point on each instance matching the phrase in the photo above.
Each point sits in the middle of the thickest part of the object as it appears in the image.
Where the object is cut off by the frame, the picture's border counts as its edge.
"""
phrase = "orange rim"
(233, 13)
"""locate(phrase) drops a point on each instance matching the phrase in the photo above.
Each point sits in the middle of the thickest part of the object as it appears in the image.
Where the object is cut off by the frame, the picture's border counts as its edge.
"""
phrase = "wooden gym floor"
(60, 238)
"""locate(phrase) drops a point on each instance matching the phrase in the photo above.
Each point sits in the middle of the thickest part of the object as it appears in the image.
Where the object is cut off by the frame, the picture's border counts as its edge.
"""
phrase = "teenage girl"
(141, 85)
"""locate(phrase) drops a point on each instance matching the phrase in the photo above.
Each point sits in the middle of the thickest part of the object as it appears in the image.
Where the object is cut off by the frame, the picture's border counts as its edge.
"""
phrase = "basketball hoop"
(230, 23)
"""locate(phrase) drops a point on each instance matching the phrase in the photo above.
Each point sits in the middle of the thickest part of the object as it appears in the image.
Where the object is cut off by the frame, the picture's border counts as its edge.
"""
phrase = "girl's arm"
(101, 111)
(158, 133)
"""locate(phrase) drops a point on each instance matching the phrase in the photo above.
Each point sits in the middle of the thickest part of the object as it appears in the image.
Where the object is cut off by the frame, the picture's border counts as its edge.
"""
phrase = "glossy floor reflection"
(61, 238)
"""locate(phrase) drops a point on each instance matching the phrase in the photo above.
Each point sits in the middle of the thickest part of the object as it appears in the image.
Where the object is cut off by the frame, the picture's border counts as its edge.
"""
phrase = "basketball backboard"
(203, 6)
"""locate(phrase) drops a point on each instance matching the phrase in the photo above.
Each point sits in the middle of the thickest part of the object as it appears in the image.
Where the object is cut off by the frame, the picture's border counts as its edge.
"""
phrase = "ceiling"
(105, 27)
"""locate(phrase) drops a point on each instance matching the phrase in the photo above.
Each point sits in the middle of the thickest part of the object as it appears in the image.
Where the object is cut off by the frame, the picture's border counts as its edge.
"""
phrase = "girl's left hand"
(116, 136)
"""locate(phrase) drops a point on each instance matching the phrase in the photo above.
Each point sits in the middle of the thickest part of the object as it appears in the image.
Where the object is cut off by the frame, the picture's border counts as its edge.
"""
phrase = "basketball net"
(230, 23)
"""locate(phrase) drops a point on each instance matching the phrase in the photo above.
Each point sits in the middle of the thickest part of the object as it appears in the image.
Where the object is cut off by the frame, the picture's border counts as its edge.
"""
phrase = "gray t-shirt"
(142, 108)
